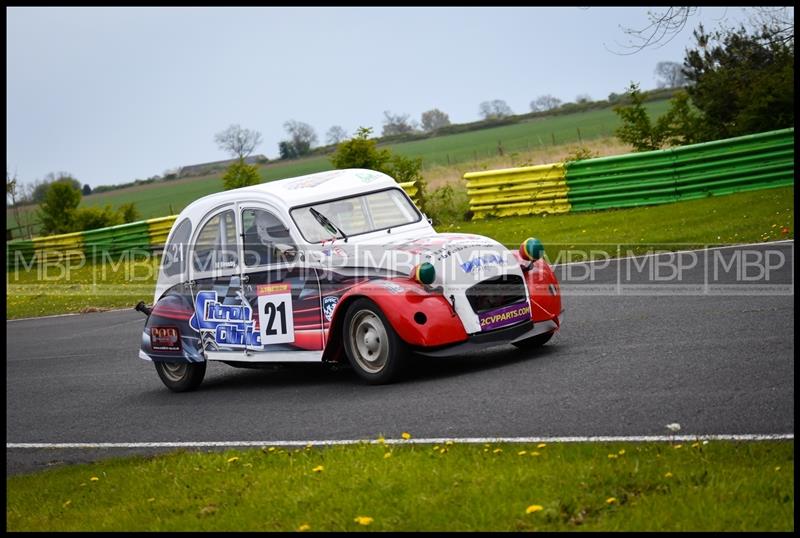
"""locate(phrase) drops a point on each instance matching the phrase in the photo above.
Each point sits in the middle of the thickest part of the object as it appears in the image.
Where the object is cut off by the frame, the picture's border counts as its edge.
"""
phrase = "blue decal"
(231, 325)
(328, 305)
(487, 259)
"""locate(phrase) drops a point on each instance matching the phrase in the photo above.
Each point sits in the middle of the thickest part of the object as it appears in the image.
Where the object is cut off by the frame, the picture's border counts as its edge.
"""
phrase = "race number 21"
(275, 318)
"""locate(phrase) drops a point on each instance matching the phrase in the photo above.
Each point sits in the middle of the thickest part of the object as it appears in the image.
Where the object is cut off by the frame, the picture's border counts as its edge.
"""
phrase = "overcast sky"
(115, 94)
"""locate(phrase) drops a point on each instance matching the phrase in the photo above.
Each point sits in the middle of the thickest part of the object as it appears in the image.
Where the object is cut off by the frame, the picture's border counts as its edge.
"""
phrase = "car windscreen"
(355, 215)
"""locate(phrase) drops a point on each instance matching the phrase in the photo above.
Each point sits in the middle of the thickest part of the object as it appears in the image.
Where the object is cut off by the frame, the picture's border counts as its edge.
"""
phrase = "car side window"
(266, 239)
(173, 261)
(215, 246)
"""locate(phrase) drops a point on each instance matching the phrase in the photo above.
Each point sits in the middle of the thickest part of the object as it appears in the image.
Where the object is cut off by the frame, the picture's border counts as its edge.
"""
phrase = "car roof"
(295, 191)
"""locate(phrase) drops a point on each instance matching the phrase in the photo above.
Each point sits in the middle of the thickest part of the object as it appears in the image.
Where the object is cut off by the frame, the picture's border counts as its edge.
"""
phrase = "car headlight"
(531, 249)
(424, 273)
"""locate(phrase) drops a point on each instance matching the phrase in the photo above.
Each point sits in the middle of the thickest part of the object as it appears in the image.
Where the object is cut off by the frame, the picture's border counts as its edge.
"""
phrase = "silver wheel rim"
(174, 371)
(369, 341)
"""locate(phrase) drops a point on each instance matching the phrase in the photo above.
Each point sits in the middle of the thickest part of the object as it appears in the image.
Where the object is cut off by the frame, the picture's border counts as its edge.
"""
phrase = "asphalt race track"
(713, 352)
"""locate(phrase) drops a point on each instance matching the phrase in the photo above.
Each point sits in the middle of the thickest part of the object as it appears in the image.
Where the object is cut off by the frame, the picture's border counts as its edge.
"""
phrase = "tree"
(240, 174)
(303, 136)
(741, 82)
(394, 125)
(636, 128)
(544, 103)
(335, 134)
(495, 109)
(434, 119)
(583, 98)
(237, 141)
(87, 189)
(671, 75)
(362, 152)
(13, 191)
(286, 149)
(39, 188)
(57, 211)
(129, 213)
(91, 218)
(664, 25)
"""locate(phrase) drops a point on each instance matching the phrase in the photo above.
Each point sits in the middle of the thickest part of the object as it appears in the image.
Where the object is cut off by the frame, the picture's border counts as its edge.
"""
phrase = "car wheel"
(537, 341)
(181, 376)
(374, 349)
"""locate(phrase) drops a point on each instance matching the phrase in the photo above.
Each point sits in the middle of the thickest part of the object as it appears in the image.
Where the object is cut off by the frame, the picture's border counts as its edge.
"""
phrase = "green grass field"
(748, 217)
(165, 198)
(719, 486)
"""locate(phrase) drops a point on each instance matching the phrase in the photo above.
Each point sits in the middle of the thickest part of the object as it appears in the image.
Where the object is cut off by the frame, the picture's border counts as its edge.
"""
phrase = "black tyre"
(537, 341)
(181, 376)
(375, 351)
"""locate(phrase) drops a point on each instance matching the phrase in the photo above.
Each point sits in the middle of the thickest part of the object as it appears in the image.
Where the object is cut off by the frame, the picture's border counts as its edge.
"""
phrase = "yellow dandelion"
(151, 499)
(487, 445)
(363, 520)
(612, 456)
(611, 500)
(497, 450)
(406, 436)
(272, 449)
(436, 447)
(309, 445)
(534, 453)
(522, 452)
(695, 445)
(778, 468)
(534, 508)
(94, 479)
(381, 440)
(233, 459)
(541, 445)
(67, 503)
(318, 469)
(387, 455)
(621, 452)
(667, 475)
(304, 527)
(677, 446)
(486, 450)
(448, 443)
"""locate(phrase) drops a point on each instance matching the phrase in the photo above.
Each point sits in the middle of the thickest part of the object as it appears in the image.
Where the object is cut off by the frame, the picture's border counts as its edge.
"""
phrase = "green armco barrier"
(109, 242)
(18, 252)
(758, 161)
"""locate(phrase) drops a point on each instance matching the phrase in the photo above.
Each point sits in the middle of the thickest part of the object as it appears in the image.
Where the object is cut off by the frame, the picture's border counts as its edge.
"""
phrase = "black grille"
(496, 292)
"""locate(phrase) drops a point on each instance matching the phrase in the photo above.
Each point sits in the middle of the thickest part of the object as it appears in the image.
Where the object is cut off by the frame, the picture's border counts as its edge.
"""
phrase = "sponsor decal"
(367, 177)
(508, 315)
(329, 305)
(229, 325)
(305, 183)
(165, 339)
(392, 287)
(333, 251)
(481, 261)
(267, 289)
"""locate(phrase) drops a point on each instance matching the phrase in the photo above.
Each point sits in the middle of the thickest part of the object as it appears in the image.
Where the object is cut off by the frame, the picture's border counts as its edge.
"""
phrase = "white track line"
(422, 441)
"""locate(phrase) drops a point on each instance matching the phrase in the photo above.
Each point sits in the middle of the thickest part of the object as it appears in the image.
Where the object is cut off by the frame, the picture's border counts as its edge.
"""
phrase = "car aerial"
(335, 267)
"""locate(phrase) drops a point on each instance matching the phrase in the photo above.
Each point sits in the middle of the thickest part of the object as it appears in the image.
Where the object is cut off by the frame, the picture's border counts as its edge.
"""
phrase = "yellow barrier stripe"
(518, 191)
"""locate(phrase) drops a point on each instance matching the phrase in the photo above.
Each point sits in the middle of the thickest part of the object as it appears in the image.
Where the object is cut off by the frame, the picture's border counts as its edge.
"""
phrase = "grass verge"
(747, 217)
(719, 486)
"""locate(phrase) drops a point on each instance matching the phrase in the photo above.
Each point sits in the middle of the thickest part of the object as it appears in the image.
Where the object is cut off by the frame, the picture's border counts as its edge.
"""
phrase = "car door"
(221, 316)
(282, 289)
